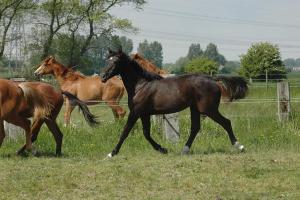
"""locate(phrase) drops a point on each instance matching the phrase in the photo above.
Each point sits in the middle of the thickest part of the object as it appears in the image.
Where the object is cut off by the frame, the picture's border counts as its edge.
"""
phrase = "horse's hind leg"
(25, 124)
(146, 131)
(226, 124)
(2, 132)
(35, 129)
(58, 136)
(68, 110)
(195, 127)
(117, 110)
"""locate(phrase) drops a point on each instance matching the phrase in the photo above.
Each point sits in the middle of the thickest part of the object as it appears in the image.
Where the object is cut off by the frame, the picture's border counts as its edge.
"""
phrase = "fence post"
(284, 105)
(12, 131)
(169, 123)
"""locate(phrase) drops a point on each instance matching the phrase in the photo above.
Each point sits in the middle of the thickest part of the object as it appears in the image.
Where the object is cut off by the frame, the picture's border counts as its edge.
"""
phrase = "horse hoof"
(185, 150)
(240, 147)
(163, 150)
(110, 155)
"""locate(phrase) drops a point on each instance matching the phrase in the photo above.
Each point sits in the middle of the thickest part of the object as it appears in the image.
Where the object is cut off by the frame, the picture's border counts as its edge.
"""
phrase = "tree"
(211, 52)
(151, 51)
(230, 67)
(289, 62)
(194, 51)
(122, 42)
(201, 65)
(89, 17)
(157, 53)
(262, 57)
(9, 11)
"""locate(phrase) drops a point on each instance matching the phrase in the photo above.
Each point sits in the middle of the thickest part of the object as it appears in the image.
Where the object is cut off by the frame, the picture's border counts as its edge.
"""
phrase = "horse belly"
(170, 102)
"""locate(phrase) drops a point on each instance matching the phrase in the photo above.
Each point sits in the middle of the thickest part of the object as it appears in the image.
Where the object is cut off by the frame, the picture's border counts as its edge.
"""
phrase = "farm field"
(269, 169)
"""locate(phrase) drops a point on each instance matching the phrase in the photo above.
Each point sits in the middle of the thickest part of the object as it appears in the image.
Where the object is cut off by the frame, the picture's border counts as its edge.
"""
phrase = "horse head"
(46, 67)
(115, 61)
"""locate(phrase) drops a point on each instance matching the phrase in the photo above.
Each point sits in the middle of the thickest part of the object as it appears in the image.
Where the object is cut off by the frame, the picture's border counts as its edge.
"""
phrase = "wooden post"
(267, 79)
(171, 127)
(12, 131)
(284, 105)
(169, 123)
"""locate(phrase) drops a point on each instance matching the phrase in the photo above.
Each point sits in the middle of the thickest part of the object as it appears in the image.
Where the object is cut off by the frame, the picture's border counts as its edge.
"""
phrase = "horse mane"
(149, 76)
(146, 64)
(70, 74)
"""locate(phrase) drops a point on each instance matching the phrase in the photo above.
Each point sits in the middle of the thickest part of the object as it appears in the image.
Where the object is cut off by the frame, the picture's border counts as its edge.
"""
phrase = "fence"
(170, 123)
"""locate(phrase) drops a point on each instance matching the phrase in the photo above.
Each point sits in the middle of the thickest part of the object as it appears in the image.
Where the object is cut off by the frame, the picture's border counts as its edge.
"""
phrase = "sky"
(233, 25)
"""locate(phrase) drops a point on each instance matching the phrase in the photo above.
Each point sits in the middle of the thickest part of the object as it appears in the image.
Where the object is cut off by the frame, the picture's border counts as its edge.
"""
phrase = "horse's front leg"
(2, 132)
(146, 131)
(132, 118)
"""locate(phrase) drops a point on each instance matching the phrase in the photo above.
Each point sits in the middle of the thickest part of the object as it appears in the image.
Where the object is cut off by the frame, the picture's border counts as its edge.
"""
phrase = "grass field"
(270, 168)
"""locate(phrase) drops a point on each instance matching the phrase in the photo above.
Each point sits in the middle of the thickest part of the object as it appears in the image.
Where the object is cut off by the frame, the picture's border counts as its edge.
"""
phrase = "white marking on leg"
(185, 150)
(238, 146)
(109, 155)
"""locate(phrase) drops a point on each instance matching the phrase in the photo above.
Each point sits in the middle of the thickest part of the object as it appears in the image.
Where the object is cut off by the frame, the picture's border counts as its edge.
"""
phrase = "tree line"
(79, 32)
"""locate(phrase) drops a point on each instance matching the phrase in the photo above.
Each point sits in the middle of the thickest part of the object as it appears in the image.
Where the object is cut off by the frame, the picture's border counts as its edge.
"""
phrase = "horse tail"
(88, 116)
(36, 100)
(233, 88)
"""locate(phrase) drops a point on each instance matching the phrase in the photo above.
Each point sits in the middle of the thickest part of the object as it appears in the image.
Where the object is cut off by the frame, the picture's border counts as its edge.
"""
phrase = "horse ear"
(137, 56)
(110, 51)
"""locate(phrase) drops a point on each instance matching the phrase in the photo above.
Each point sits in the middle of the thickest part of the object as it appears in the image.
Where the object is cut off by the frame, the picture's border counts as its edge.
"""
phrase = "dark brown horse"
(41, 101)
(150, 94)
(89, 89)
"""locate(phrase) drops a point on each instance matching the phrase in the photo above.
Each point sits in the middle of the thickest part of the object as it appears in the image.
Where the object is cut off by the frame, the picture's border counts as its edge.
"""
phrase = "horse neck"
(61, 74)
(131, 80)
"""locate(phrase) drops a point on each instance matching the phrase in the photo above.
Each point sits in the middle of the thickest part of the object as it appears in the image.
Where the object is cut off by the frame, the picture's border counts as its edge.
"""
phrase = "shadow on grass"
(37, 154)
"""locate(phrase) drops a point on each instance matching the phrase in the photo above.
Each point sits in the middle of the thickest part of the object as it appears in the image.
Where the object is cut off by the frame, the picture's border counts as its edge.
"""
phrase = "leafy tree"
(297, 61)
(179, 65)
(262, 57)
(151, 51)
(10, 10)
(289, 62)
(201, 65)
(211, 52)
(157, 53)
(194, 51)
(231, 67)
(125, 43)
(90, 18)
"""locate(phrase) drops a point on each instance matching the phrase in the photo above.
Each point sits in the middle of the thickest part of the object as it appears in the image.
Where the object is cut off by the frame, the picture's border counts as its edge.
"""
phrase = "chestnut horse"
(85, 88)
(150, 94)
(147, 65)
(41, 101)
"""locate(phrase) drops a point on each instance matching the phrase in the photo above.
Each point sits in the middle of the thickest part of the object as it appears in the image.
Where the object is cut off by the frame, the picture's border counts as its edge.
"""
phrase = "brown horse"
(147, 65)
(85, 88)
(41, 101)
(150, 94)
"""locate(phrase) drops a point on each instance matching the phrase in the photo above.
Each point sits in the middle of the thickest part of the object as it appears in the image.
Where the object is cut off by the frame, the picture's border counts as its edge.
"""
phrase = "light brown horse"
(85, 88)
(147, 65)
(41, 101)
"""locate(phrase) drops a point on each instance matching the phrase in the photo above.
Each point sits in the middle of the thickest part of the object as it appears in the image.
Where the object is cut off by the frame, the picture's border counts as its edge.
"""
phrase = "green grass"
(214, 170)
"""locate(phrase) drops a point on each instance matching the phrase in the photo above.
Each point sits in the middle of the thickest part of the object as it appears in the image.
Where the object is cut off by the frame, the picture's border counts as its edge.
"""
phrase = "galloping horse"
(147, 65)
(83, 87)
(20, 101)
(150, 94)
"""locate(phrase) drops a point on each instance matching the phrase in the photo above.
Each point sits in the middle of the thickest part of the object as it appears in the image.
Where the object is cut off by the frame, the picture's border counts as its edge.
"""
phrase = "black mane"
(149, 76)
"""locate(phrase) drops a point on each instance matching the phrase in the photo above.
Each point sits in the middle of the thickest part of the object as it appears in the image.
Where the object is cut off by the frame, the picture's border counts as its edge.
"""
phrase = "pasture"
(269, 169)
